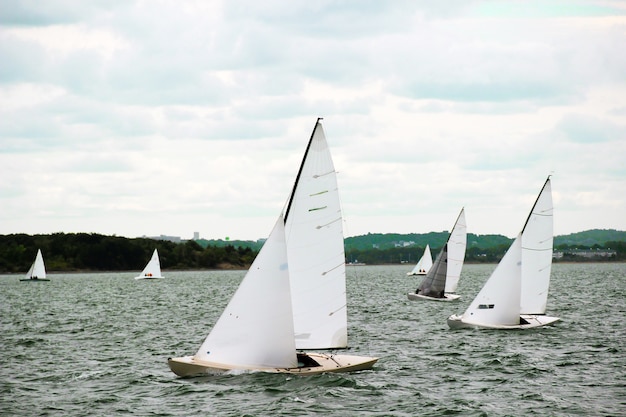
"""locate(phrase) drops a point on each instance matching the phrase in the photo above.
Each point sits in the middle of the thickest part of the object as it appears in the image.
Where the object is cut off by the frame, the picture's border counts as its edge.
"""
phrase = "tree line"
(95, 252)
(474, 254)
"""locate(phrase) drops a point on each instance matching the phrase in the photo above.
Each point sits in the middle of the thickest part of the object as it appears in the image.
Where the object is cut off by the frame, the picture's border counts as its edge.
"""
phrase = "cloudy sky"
(168, 117)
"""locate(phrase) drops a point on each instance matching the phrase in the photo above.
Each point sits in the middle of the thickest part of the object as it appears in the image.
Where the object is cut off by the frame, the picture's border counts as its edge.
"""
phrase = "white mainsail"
(314, 233)
(457, 242)
(434, 282)
(537, 242)
(497, 303)
(37, 270)
(424, 264)
(256, 328)
(153, 268)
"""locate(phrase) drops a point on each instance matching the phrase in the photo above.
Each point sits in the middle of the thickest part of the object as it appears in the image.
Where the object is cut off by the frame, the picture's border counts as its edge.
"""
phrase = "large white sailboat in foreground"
(294, 294)
(516, 294)
(152, 269)
(37, 271)
(442, 280)
(424, 264)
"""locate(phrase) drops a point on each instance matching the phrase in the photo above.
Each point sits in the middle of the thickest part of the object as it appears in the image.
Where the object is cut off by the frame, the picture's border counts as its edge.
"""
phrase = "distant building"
(591, 253)
(196, 235)
(175, 239)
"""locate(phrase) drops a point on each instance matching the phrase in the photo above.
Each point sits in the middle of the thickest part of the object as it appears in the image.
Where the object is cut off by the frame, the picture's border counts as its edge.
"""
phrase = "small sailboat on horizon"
(37, 270)
(424, 264)
(516, 294)
(293, 297)
(152, 269)
(442, 280)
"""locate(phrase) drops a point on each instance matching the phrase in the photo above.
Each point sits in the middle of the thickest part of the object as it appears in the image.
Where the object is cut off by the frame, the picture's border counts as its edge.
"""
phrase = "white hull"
(418, 297)
(416, 273)
(532, 321)
(187, 366)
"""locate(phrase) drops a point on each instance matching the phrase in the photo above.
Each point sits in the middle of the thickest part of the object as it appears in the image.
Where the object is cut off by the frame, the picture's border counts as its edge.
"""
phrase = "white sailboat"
(515, 295)
(37, 271)
(442, 280)
(152, 269)
(424, 264)
(294, 294)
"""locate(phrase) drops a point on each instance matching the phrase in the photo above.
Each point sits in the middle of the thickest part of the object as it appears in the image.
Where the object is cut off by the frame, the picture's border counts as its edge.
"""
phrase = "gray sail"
(434, 283)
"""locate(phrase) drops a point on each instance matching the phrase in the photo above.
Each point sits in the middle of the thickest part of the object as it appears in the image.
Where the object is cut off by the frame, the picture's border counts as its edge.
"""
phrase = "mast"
(455, 223)
(534, 205)
(295, 184)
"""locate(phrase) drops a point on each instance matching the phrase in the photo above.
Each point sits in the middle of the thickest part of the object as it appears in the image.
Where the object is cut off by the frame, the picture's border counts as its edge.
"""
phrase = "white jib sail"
(457, 243)
(497, 303)
(37, 269)
(537, 242)
(314, 232)
(256, 328)
(424, 264)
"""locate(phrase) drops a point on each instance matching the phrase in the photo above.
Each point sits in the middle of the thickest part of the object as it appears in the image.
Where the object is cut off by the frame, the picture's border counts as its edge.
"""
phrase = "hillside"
(585, 239)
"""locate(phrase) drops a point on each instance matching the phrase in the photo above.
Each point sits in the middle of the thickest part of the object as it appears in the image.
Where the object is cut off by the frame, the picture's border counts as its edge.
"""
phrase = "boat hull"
(418, 297)
(416, 273)
(187, 366)
(149, 277)
(531, 322)
(35, 280)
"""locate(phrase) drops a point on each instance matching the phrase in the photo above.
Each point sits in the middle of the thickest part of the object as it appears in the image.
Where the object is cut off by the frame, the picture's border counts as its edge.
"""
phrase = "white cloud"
(169, 117)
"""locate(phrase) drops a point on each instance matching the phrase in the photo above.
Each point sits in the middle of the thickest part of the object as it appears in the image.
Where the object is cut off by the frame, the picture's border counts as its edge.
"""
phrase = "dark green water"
(97, 344)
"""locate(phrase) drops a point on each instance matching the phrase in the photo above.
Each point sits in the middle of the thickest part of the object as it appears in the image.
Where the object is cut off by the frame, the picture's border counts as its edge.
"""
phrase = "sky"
(142, 118)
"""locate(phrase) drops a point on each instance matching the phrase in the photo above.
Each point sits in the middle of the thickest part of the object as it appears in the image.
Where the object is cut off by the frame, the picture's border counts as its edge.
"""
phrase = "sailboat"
(37, 271)
(152, 269)
(293, 297)
(424, 264)
(516, 294)
(442, 280)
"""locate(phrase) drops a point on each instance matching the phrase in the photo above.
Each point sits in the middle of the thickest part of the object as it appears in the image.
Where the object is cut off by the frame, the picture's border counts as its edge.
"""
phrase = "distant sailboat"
(442, 280)
(37, 271)
(152, 269)
(515, 295)
(424, 264)
(294, 295)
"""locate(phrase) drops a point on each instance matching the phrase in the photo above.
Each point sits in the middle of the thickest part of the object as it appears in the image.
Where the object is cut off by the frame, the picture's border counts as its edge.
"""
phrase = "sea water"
(97, 344)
